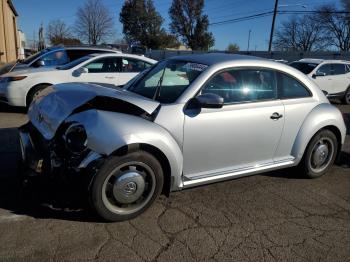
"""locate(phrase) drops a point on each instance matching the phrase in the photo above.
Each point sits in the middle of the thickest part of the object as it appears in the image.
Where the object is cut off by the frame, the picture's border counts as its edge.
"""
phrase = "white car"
(19, 88)
(332, 76)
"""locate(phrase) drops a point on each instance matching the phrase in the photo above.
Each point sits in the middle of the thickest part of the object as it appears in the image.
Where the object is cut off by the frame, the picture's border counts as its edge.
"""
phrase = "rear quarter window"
(289, 87)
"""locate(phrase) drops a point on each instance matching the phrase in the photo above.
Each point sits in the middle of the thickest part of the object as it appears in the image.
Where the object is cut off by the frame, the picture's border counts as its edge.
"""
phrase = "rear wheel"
(320, 154)
(346, 98)
(126, 186)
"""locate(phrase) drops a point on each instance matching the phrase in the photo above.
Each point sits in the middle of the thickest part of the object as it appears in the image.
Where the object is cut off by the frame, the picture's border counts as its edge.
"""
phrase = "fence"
(278, 55)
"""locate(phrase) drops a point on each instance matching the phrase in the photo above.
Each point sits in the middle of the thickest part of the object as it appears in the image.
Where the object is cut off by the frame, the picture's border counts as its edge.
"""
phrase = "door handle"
(109, 77)
(276, 116)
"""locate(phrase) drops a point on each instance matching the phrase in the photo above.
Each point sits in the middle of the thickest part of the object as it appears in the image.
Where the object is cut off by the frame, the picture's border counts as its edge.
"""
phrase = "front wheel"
(320, 154)
(126, 186)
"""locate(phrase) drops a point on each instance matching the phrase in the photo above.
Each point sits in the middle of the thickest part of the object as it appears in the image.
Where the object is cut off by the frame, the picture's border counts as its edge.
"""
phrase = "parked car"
(54, 56)
(19, 88)
(188, 121)
(332, 76)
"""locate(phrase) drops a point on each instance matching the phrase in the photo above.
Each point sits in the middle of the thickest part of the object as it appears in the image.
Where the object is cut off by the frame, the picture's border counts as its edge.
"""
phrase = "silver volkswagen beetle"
(186, 121)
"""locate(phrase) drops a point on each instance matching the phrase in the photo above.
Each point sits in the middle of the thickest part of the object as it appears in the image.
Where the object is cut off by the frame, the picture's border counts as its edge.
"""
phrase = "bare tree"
(57, 30)
(337, 26)
(300, 34)
(94, 22)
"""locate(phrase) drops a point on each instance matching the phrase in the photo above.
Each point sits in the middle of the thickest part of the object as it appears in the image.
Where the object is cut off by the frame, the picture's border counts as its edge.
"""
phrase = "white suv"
(332, 76)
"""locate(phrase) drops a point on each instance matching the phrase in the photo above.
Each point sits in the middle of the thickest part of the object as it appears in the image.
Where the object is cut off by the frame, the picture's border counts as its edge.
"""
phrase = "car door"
(244, 133)
(129, 68)
(341, 79)
(324, 77)
(101, 70)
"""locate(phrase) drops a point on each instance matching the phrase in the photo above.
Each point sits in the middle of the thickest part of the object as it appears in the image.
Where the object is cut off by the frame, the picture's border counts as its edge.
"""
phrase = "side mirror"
(325, 92)
(318, 73)
(39, 63)
(210, 100)
(79, 71)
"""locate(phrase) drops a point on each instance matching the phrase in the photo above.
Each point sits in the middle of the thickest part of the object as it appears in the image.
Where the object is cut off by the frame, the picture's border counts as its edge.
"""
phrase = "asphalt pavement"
(278, 216)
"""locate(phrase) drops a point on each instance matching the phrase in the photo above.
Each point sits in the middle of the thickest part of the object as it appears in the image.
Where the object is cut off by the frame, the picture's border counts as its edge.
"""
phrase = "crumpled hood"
(59, 101)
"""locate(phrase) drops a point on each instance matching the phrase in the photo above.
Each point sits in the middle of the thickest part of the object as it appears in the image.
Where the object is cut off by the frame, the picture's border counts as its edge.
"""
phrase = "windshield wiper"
(14, 65)
(159, 85)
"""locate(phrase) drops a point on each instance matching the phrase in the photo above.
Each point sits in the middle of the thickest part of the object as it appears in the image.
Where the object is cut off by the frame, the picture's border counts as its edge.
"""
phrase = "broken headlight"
(75, 138)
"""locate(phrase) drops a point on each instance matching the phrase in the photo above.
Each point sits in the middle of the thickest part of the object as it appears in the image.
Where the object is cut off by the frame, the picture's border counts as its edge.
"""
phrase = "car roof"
(319, 61)
(93, 55)
(215, 58)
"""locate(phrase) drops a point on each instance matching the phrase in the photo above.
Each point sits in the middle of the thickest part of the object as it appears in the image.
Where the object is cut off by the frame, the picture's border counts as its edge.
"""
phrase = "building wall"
(22, 44)
(9, 40)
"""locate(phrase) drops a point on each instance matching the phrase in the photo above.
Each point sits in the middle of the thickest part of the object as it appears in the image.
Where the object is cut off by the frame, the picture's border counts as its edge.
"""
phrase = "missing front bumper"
(30, 157)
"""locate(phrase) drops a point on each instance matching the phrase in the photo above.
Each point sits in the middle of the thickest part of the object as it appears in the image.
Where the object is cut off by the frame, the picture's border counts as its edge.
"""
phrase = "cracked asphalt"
(276, 216)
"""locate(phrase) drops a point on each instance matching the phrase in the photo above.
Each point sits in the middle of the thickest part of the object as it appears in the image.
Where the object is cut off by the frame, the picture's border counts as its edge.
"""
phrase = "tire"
(126, 186)
(346, 98)
(320, 154)
(34, 92)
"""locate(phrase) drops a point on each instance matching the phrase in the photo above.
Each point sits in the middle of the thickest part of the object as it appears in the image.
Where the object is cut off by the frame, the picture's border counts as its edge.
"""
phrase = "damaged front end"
(67, 137)
(55, 158)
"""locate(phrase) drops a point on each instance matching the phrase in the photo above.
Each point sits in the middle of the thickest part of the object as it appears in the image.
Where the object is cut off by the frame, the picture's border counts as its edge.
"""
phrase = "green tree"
(232, 48)
(189, 23)
(142, 23)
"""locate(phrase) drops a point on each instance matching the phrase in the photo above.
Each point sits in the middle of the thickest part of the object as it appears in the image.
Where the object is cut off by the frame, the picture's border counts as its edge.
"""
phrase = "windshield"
(306, 68)
(167, 80)
(31, 58)
(74, 63)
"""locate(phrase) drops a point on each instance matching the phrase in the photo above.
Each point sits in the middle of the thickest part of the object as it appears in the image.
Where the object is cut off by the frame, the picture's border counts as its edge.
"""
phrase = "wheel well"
(337, 133)
(158, 154)
(31, 90)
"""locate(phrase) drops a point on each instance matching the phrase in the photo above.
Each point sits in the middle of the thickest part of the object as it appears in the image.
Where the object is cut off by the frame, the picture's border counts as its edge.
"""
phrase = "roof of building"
(12, 7)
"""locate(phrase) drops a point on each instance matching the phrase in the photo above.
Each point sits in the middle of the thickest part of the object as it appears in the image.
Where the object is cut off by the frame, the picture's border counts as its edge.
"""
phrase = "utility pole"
(273, 24)
(248, 40)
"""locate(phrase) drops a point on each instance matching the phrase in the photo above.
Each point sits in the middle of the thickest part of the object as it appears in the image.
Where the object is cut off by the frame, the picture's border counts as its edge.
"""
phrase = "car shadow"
(12, 109)
(38, 200)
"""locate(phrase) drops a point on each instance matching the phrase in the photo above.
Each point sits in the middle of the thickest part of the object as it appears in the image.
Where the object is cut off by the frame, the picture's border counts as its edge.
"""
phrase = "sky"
(34, 12)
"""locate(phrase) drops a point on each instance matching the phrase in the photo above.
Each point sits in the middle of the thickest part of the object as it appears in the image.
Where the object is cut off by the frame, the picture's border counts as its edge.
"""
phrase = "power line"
(264, 14)
(244, 18)
(313, 12)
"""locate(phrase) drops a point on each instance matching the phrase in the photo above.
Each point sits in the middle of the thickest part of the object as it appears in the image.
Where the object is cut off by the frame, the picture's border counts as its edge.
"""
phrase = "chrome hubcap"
(128, 188)
(322, 154)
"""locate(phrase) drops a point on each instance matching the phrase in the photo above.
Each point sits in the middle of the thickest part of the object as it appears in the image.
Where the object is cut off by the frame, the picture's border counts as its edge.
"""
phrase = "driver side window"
(324, 70)
(243, 85)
